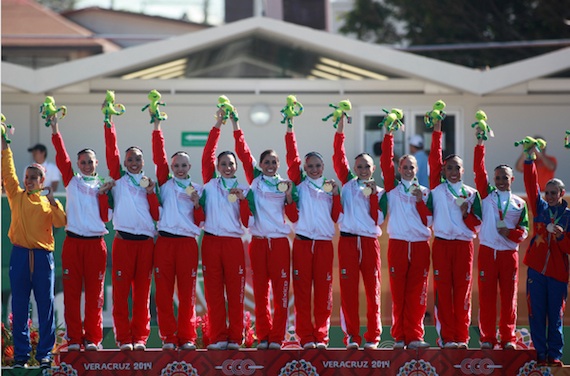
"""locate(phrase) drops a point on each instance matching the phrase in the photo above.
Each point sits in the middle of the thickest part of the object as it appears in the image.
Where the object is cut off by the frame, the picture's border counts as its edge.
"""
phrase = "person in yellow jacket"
(31, 260)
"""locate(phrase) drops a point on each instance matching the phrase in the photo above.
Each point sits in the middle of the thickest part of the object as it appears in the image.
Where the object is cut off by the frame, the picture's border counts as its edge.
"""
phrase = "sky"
(166, 8)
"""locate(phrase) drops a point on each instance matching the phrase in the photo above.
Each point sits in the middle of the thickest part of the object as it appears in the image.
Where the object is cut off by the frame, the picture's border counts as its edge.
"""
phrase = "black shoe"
(20, 364)
(45, 363)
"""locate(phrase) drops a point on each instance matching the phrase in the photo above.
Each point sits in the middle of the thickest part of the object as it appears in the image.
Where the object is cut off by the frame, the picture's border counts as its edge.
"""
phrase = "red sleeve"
(292, 211)
(293, 159)
(244, 154)
(515, 235)
(112, 152)
(199, 215)
(336, 208)
(340, 163)
(159, 157)
(103, 207)
(387, 162)
(244, 212)
(472, 221)
(435, 160)
(209, 155)
(531, 185)
(62, 159)
(481, 178)
(423, 211)
(153, 204)
(374, 206)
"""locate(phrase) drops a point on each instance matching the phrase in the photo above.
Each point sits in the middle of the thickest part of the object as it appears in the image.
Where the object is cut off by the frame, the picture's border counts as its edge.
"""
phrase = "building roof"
(358, 53)
(26, 23)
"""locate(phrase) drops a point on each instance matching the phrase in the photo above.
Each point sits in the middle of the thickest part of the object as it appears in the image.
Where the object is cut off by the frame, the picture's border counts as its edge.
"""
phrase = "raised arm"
(209, 153)
(435, 157)
(112, 151)
(293, 159)
(9, 178)
(340, 163)
(62, 159)
(387, 162)
(243, 152)
(159, 154)
(531, 185)
(481, 177)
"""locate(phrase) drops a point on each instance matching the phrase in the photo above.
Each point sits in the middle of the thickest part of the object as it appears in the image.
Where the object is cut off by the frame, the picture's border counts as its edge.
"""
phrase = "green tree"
(371, 21)
(443, 22)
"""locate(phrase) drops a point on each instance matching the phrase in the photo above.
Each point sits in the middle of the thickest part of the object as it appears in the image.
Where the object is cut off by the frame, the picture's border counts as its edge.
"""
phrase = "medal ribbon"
(182, 185)
(226, 187)
(463, 192)
(503, 212)
(553, 218)
(133, 180)
(270, 184)
(414, 183)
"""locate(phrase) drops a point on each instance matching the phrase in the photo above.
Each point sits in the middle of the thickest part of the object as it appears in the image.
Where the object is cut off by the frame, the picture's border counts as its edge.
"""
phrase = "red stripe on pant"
(452, 269)
(223, 265)
(359, 255)
(176, 264)
(312, 266)
(83, 262)
(408, 263)
(132, 266)
(497, 268)
(270, 261)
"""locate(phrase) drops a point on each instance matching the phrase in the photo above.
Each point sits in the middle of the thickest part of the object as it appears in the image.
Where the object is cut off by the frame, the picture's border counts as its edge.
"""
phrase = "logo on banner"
(531, 368)
(477, 366)
(239, 367)
(179, 369)
(63, 369)
(298, 368)
(417, 367)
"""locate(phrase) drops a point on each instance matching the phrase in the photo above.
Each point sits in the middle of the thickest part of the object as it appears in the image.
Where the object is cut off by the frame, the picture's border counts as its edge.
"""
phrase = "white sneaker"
(462, 345)
(262, 345)
(450, 345)
(399, 345)
(371, 345)
(418, 345)
(274, 346)
(486, 346)
(74, 347)
(221, 345)
(309, 345)
(126, 347)
(188, 346)
(321, 346)
(232, 346)
(169, 346)
(139, 346)
(352, 346)
(509, 346)
(90, 346)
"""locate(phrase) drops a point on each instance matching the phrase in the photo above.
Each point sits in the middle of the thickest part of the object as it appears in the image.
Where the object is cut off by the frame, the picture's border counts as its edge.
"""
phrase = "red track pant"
(223, 265)
(270, 262)
(452, 269)
(83, 263)
(132, 267)
(312, 266)
(359, 254)
(409, 264)
(497, 268)
(176, 264)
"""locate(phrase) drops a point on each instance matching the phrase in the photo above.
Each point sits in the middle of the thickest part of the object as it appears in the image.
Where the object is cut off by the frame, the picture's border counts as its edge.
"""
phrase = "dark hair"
(362, 155)
(85, 151)
(227, 152)
(505, 167)
(558, 183)
(180, 153)
(314, 154)
(134, 148)
(451, 156)
(266, 153)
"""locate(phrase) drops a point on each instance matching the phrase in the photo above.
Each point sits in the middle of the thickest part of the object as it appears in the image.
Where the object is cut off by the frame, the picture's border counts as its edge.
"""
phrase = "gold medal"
(459, 201)
(189, 190)
(501, 224)
(145, 182)
(282, 187)
(367, 191)
(551, 228)
(232, 197)
(327, 187)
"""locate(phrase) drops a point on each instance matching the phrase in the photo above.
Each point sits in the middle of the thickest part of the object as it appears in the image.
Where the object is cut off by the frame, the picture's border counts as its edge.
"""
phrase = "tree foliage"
(431, 22)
